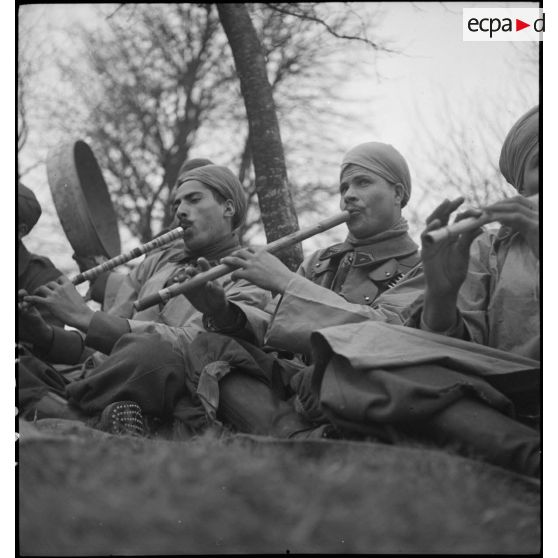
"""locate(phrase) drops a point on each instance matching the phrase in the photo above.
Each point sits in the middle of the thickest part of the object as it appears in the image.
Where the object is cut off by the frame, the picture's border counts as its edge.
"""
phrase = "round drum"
(82, 200)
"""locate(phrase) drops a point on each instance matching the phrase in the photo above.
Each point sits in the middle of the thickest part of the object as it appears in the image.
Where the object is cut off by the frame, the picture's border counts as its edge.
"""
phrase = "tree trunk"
(275, 200)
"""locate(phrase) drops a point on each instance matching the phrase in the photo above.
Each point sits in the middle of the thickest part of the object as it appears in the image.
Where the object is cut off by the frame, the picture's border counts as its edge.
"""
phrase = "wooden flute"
(466, 225)
(220, 270)
(126, 257)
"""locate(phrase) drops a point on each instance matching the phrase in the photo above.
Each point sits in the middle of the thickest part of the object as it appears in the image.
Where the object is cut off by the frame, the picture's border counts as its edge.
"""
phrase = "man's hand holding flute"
(210, 298)
(260, 268)
(63, 300)
(446, 256)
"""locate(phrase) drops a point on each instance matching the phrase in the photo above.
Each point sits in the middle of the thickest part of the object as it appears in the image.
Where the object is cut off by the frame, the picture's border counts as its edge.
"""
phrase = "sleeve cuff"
(105, 330)
(65, 347)
(238, 324)
(457, 330)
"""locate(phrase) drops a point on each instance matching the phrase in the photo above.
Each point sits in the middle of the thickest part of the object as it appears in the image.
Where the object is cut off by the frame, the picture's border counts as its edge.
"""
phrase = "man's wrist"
(439, 312)
(44, 340)
(83, 320)
(283, 282)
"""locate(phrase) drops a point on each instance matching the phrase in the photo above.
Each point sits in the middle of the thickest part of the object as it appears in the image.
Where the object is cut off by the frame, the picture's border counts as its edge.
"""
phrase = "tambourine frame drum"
(82, 200)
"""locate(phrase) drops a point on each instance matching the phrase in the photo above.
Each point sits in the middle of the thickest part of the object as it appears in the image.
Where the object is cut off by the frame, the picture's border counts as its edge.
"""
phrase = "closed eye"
(363, 180)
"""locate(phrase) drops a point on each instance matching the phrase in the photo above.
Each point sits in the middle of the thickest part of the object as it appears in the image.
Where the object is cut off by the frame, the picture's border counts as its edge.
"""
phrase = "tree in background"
(152, 78)
(275, 200)
(153, 86)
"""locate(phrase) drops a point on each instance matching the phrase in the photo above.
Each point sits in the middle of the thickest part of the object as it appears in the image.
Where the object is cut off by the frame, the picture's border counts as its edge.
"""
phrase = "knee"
(211, 347)
(209, 342)
(146, 349)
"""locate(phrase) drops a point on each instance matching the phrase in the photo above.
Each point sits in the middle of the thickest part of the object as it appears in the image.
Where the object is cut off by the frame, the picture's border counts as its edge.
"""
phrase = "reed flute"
(123, 258)
(466, 225)
(220, 270)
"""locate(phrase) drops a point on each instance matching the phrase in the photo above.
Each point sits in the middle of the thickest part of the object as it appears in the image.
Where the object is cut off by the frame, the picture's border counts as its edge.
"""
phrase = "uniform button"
(388, 273)
(367, 298)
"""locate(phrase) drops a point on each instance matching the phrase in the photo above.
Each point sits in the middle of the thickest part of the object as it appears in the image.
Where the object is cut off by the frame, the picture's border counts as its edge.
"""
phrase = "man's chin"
(362, 232)
(191, 241)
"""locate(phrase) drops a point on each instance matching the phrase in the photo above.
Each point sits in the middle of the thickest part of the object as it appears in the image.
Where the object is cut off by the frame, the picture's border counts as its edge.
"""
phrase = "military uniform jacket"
(177, 320)
(347, 284)
(499, 301)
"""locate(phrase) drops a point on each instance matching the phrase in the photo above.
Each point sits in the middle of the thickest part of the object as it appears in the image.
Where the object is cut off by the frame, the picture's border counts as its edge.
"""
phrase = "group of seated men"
(370, 338)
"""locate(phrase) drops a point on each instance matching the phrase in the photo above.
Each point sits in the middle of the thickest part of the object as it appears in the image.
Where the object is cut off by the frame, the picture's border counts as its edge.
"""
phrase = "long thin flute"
(455, 229)
(123, 258)
(466, 225)
(220, 270)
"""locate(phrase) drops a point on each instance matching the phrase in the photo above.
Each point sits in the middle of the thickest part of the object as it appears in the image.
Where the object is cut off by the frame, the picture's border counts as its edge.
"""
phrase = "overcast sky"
(395, 97)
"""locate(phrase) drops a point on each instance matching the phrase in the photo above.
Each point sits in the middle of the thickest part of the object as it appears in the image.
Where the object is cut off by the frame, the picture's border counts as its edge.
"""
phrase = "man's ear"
(229, 209)
(399, 192)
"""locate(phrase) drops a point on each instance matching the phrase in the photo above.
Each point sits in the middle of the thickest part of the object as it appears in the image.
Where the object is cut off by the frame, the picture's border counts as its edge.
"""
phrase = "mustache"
(352, 208)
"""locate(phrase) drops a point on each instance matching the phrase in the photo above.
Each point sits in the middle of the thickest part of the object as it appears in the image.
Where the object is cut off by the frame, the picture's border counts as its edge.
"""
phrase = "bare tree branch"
(306, 11)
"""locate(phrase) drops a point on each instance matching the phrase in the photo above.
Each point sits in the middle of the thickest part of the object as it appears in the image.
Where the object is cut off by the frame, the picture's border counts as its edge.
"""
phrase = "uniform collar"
(397, 246)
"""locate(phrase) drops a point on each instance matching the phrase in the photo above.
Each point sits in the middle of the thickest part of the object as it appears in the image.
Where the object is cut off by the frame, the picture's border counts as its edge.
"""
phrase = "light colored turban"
(191, 164)
(381, 159)
(518, 146)
(223, 181)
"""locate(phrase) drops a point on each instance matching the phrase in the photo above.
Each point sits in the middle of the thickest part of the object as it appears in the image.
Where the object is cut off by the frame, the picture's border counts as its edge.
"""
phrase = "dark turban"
(191, 164)
(223, 181)
(518, 146)
(28, 208)
(381, 159)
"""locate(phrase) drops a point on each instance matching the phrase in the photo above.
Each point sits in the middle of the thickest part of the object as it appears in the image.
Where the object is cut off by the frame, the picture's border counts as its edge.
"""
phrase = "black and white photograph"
(279, 278)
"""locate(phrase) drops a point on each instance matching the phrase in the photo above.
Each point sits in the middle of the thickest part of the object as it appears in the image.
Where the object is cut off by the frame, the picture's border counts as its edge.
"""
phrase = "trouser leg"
(250, 406)
(41, 387)
(142, 368)
(251, 395)
(477, 430)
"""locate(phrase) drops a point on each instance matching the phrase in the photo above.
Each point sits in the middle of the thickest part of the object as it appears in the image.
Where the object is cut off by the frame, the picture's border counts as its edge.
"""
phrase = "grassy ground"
(87, 493)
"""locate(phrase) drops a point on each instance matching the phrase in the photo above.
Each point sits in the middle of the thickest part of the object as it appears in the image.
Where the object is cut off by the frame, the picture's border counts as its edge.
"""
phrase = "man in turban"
(210, 205)
(32, 270)
(341, 283)
(486, 289)
(105, 287)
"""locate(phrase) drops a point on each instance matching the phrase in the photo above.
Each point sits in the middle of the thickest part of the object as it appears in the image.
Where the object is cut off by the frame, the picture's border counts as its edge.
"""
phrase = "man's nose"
(182, 210)
(348, 196)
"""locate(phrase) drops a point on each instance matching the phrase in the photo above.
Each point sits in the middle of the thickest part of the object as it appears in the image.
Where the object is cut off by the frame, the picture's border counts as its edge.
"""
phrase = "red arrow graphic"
(519, 25)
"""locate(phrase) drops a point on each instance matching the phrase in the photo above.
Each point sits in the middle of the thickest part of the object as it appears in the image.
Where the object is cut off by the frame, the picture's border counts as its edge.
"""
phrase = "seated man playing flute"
(486, 289)
(210, 205)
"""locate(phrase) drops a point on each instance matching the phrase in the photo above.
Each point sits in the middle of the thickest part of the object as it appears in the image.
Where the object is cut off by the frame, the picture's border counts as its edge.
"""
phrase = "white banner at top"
(503, 24)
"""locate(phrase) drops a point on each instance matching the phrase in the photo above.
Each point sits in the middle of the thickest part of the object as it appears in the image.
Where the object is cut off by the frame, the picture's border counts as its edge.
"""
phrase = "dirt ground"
(83, 492)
